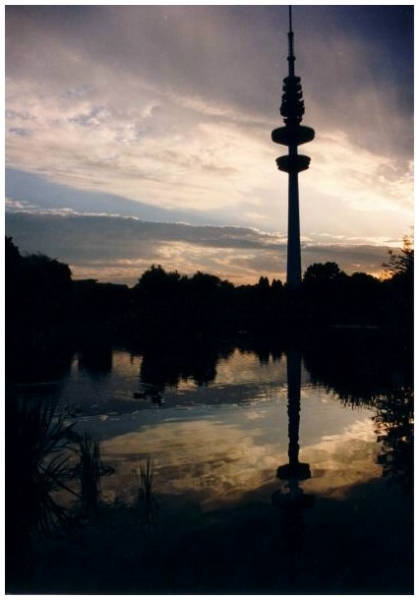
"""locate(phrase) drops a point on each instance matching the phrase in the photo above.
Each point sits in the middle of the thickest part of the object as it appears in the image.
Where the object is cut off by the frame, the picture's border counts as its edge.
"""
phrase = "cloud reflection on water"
(215, 462)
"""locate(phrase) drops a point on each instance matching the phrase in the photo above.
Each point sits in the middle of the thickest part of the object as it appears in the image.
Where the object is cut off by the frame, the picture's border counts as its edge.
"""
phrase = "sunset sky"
(139, 135)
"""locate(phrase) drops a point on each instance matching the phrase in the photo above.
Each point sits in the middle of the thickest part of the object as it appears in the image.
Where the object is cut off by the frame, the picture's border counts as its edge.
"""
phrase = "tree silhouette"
(399, 288)
(401, 264)
(321, 273)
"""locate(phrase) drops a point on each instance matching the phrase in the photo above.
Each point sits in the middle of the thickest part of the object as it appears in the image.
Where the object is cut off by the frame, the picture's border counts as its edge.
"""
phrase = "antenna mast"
(291, 57)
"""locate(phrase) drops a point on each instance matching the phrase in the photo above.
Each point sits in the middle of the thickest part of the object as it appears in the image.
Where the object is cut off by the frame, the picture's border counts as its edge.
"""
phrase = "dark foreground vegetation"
(356, 336)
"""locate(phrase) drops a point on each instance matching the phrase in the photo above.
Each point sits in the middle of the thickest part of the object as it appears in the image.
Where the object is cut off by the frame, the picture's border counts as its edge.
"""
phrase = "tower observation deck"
(293, 134)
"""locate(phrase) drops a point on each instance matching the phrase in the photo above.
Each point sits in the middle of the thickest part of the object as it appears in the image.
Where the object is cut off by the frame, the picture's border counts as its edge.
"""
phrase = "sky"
(141, 134)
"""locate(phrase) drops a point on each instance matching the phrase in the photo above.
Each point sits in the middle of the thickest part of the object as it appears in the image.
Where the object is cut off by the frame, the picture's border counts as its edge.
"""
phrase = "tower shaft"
(294, 248)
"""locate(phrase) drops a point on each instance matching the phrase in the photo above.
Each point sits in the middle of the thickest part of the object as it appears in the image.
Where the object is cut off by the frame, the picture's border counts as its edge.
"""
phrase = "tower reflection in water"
(290, 498)
(294, 499)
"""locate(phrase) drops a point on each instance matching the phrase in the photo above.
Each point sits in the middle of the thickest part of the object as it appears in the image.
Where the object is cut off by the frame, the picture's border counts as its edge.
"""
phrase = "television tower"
(293, 134)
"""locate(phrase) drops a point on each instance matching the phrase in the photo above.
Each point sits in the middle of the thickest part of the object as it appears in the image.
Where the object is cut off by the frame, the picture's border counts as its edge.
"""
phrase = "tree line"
(43, 301)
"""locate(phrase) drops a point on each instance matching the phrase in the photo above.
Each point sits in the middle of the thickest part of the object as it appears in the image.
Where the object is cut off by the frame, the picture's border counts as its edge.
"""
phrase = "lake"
(220, 440)
(238, 436)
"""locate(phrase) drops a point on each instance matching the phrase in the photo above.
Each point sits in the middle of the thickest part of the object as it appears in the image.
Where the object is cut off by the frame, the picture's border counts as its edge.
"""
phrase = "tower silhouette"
(293, 134)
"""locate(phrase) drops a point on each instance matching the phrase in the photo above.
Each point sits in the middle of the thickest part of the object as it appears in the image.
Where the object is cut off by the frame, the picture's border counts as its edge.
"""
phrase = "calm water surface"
(217, 443)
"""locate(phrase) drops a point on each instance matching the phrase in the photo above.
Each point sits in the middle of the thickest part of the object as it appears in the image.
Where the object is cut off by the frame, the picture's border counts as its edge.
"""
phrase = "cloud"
(120, 249)
(367, 182)
(203, 166)
(179, 159)
(153, 102)
(165, 113)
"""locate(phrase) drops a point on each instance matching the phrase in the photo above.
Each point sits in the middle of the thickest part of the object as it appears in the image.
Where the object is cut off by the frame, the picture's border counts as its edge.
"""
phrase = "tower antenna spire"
(291, 57)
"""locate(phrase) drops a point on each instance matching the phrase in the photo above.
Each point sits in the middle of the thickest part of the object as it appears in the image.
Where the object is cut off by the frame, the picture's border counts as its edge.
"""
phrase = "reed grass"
(37, 452)
(89, 473)
(146, 496)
